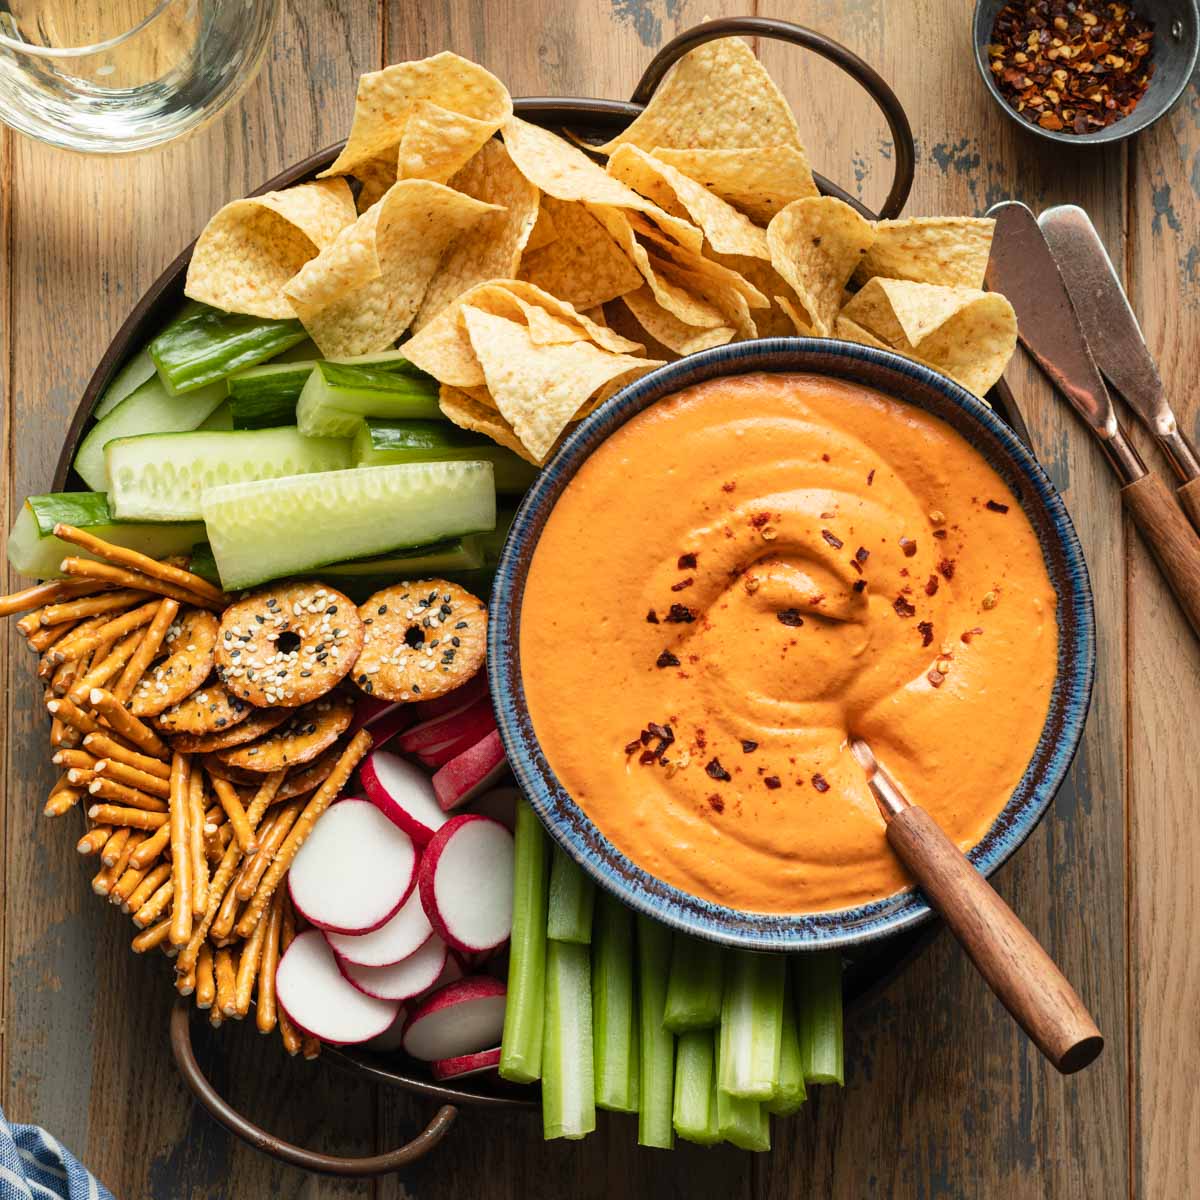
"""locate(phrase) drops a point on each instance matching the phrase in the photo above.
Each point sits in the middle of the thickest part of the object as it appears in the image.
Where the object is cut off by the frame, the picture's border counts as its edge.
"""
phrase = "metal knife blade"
(1112, 329)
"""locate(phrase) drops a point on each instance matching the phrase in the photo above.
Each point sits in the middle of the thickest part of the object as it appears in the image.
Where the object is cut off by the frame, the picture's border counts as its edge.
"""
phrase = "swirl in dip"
(741, 575)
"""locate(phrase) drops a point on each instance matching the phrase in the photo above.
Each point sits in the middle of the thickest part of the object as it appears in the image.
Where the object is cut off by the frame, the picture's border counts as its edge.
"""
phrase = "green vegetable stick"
(657, 1041)
(695, 1091)
(568, 1089)
(818, 980)
(752, 1025)
(572, 898)
(521, 1047)
(695, 986)
(614, 1017)
(744, 1123)
(790, 1094)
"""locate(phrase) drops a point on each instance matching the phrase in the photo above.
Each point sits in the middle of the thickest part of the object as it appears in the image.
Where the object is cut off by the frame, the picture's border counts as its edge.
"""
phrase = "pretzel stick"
(141, 562)
(108, 877)
(42, 639)
(113, 847)
(226, 974)
(216, 894)
(62, 735)
(214, 1017)
(30, 623)
(248, 969)
(130, 881)
(222, 925)
(257, 864)
(112, 814)
(199, 864)
(310, 1047)
(287, 934)
(181, 864)
(90, 606)
(91, 634)
(126, 724)
(321, 800)
(80, 777)
(43, 593)
(264, 1005)
(131, 777)
(206, 984)
(103, 746)
(73, 758)
(262, 855)
(74, 645)
(94, 840)
(104, 667)
(73, 715)
(64, 676)
(154, 908)
(150, 883)
(151, 849)
(137, 666)
(231, 802)
(186, 984)
(62, 799)
(85, 568)
(214, 847)
(119, 793)
(148, 939)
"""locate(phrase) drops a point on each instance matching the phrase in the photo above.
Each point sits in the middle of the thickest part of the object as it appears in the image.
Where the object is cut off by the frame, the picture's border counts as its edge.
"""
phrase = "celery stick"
(572, 898)
(695, 986)
(695, 1117)
(657, 1041)
(521, 1047)
(819, 1016)
(568, 1088)
(752, 1024)
(744, 1123)
(790, 1094)
(614, 1018)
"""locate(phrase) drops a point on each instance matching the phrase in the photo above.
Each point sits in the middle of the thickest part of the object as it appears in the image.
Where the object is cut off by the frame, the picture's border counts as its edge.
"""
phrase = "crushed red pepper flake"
(996, 507)
(908, 546)
(925, 629)
(683, 583)
(666, 659)
(773, 782)
(903, 608)
(932, 585)
(820, 783)
(748, 747)
(714, 770)
(680, 614)
(832, 538)
(759, 519)
(936, 678)
(790, 616)
(859, 585)
(652, 617)
(940, 534)
(687, 562)
(946, 567)
(968, 634)
(716, 803)
(870, 477)
(729, 485)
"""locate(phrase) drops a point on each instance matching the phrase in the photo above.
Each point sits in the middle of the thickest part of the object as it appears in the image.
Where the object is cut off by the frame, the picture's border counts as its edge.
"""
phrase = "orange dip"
(755, 567)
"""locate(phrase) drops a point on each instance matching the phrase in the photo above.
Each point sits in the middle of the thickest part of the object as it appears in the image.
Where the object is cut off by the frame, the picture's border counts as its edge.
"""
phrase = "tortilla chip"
(539, 389)
(582, 265)
(797, 318)
(851, 331)
(468, 413)
(492, 248)
(667, 331)
(463, 106)
(360, 293)
(774, 320)
(600, 335)
(815, 245)
(251, 248)
(375, 175)
(758, 181)
(949, 251)
(968, 334)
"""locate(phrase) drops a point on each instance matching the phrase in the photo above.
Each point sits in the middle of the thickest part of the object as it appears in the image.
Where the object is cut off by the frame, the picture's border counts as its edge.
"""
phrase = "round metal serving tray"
(867, 967)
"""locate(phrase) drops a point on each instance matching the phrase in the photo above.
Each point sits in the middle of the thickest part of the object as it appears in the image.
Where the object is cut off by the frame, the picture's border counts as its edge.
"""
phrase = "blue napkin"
(34, 1166)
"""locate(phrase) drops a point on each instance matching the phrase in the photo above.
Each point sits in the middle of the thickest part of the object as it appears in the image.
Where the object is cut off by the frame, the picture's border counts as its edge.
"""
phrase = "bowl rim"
(572, 829)
(1110, 135)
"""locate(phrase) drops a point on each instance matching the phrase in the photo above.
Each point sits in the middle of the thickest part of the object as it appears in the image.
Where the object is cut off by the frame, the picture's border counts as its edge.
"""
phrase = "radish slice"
(471, 773)
(467, 1064)
(475, 687)
(387, 724)
(439, 756)
(391, 943)
(470, 721)
(466, 883)
(463, 1018)
(391, 1039)
(404, 794)
(313, 993)
(402, 980)
(366, 710)
(500, 804)
(355, 870)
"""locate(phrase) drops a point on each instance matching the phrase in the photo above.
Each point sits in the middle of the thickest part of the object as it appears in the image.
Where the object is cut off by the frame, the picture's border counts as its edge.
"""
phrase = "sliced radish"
(439, 756)
(466, 883)
(402, 980)
(454, 970)
(355, 870)
(392, 942)
(467, 1064)
(471, 773)
(461, 1018)
(404, 794)
(500, 804)
(314, 994)
(391, 1039)
(475, 687)
(471, 718)
(393, 720)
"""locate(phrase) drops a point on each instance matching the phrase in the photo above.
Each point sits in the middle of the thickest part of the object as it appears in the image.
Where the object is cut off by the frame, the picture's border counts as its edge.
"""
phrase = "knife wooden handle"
(1171, 540)
(1008, 956)
(1189, 497)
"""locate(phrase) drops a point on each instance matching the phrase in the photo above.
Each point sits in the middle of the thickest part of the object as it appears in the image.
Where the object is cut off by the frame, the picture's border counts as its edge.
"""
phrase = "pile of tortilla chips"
(533, 279)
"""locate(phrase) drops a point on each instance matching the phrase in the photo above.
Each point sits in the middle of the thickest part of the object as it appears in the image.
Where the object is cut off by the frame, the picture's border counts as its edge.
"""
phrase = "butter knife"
(1116, 340)
(1022, 267)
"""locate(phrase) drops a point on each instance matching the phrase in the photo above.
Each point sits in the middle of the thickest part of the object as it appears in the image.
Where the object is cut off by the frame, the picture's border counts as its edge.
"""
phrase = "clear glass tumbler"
(118, 76)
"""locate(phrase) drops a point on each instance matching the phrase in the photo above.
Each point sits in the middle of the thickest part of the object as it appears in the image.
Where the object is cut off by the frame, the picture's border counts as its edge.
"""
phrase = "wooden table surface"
(943, 1098)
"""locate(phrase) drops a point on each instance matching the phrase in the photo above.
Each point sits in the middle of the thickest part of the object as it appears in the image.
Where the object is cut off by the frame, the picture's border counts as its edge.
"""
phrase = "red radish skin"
(439, 756)
(403, 793)
(403, 980)
(476, 686)
(467, 1064)
(471, 773)
(461, 1018)
(392, 942)
(470, 719)
(355, 870)
(319, 1001)
(465, 880)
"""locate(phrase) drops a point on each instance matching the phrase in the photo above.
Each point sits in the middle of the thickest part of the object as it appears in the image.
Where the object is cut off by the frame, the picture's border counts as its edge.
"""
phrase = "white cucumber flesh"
(124, 383)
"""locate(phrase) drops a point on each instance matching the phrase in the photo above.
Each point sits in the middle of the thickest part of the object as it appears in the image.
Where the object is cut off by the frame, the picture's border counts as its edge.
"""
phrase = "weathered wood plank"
(1164, 783)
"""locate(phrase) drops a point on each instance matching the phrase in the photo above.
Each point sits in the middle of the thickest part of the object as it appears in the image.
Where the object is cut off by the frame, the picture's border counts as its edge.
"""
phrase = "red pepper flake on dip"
(787, 668)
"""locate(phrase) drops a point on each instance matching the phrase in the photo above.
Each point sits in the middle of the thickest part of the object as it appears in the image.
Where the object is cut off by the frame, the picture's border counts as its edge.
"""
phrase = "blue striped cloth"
(34, 1166)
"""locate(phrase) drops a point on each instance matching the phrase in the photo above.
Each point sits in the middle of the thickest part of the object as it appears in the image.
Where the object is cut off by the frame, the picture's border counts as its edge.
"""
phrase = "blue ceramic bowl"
(906, 380)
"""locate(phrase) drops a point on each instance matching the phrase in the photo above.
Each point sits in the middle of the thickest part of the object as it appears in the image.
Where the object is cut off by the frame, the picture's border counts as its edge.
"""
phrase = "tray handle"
(309, 1160)
(904, 151)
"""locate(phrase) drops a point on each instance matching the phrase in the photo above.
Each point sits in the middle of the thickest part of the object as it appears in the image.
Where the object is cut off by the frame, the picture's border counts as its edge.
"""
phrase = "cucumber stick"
(752, 1025)
(221, 418)
(161, 477)
(614, 1014)
(150, 409)
(275, 527)
(378, 443)
(264, 397)
(818, 980)
(695, 1114)
(33, 549)
(336, 398)
(694, 990)
(656, 1102)
(568, 1091)
(124, 383)
(572, 900)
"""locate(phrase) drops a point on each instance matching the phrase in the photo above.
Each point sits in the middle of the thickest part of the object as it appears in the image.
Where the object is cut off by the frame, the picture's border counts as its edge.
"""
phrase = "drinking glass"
(117, 76)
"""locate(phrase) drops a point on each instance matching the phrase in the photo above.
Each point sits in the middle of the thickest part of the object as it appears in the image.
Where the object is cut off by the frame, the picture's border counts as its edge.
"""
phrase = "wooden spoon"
(1007, 955)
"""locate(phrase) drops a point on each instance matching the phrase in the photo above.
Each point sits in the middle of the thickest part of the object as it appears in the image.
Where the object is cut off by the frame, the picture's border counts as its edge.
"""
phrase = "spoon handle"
(1008, 956)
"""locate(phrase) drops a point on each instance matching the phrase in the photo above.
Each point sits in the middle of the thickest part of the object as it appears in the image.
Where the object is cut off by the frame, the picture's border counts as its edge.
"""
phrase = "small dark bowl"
(1173, 52)
(906, 380)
